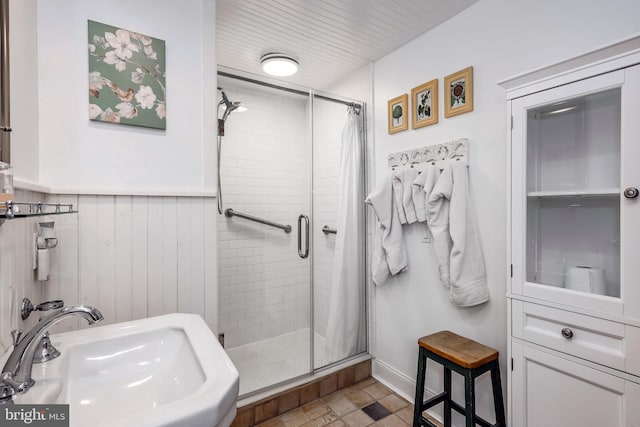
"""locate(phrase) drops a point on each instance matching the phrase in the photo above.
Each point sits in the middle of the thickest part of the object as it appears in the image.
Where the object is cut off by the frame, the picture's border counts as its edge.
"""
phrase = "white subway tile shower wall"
(263, 284)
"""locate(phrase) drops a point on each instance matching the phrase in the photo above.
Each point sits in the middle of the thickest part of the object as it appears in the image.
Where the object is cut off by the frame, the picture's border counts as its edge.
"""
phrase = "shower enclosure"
(281, 164)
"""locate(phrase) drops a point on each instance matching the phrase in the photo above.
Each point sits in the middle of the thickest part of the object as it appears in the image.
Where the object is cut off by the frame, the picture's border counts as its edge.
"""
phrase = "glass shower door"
(282, 313)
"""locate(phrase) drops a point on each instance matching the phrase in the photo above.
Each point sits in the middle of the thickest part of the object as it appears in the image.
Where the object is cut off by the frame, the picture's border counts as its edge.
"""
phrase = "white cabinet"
(574, 276)
(556, 392)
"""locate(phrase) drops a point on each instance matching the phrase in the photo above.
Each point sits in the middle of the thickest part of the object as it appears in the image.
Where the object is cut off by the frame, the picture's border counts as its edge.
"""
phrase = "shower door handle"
(305, 253)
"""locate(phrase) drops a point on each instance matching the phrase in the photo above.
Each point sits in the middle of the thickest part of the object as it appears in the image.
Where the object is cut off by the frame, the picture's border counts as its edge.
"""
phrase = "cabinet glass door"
(573, 193)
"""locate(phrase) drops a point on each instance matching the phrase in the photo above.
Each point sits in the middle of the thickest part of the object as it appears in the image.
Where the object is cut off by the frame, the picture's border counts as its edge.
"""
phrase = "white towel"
(456, 240)
(389, 252)
(468, 277)
(402, 190)
(438, 220)
(398, 192)
(422, 187)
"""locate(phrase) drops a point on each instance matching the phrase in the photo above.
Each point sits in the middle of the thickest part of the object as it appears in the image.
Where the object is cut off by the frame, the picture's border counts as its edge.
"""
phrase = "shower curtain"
(345, 328)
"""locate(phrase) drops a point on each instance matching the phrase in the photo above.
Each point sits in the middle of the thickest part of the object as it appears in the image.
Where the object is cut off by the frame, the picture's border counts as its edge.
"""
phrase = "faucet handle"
(27, 307)
(16, 334)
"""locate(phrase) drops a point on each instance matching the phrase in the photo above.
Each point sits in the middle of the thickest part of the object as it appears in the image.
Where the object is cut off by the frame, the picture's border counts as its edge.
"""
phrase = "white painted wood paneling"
(130, 256)
(63, 283)
(169, 255)
(105, 256)
(210, 264)
(88, 254)
(329, 38)
(140, 244)
(123, 243)
(145, 256)
(154, 257)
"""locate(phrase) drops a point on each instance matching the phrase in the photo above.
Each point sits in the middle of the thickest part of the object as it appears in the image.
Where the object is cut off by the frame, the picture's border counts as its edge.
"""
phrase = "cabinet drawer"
(598, 340)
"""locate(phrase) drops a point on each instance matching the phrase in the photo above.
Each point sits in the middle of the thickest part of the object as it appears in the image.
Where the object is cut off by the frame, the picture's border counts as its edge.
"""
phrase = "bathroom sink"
(161, 371)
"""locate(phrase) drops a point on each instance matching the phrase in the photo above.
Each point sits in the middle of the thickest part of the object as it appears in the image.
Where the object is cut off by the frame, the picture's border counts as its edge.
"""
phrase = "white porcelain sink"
(162, 371)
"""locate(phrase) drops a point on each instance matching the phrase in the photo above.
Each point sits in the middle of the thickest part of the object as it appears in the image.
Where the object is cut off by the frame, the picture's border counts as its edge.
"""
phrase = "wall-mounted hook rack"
(437, 154)
(11, 209)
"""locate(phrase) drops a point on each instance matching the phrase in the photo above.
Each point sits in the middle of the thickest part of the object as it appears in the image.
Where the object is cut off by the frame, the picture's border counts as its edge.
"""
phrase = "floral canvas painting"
(126, 77)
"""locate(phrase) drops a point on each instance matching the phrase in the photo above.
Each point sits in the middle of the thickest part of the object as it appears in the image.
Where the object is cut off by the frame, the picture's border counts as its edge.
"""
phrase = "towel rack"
(231, 213)
(11, 209)
(437, 154)
(328, 230)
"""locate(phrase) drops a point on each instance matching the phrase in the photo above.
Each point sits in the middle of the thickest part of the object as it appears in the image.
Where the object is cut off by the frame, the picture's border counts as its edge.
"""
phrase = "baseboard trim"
(401, 384)
(394, 379)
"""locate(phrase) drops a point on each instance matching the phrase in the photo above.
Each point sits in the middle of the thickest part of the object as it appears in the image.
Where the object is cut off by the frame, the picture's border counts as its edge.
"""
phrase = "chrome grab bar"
(301, 253)
(327, 230)
(231, 213)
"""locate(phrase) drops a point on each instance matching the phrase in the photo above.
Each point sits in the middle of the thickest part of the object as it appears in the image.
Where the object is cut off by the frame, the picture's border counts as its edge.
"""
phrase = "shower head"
(233, 106)
(229, 107)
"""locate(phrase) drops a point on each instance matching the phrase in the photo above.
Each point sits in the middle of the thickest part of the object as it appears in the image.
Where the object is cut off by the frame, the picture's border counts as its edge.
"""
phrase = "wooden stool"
(466, 357)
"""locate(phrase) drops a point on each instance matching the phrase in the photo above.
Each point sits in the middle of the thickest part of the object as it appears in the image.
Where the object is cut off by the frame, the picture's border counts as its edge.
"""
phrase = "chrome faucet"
(16, 374)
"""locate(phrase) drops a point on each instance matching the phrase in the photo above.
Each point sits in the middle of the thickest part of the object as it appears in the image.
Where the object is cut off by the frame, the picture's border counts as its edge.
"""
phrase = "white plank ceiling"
(330, 38)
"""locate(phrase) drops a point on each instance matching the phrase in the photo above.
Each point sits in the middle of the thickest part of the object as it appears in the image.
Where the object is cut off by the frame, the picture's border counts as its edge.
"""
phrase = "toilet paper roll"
(43, 265)
(586, 279)
(596, 281)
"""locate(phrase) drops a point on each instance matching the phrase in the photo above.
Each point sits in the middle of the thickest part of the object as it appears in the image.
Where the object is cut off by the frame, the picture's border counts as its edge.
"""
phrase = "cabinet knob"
(567, 333)
(631, 192)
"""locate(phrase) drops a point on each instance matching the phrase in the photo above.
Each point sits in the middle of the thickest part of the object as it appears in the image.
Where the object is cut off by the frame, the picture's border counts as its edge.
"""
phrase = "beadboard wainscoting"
(17, 279)
(130, 256)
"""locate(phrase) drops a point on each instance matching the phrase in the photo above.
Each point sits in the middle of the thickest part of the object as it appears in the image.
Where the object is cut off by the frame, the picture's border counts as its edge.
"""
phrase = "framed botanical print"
(458, 95)
(398, 116)
(424, 104)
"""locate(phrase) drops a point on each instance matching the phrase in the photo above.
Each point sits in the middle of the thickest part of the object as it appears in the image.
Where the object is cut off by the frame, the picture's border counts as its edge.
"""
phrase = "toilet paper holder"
(44, 241)
(47, 238)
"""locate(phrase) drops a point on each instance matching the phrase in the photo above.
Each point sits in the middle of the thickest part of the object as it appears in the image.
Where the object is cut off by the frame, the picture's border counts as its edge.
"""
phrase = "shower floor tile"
(277, 359)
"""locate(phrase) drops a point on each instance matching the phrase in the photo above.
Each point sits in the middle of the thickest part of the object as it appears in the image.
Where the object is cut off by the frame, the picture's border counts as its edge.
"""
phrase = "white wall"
(131, 256)
(24, 90)
(499, 39)
(78, 155)
(264, 284)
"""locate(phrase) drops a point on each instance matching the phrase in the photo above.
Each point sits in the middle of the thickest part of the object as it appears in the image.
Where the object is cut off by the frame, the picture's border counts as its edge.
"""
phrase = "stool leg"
(422, 371)
(469, 399)
(447, 400)
(497, 395)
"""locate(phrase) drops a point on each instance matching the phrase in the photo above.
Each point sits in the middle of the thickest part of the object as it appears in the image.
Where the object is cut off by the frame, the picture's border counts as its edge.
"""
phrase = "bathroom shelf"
(590, 193)
(12, 210)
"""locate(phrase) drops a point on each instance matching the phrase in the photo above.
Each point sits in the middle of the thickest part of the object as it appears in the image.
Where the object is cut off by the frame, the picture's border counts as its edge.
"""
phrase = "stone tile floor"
(363, 404)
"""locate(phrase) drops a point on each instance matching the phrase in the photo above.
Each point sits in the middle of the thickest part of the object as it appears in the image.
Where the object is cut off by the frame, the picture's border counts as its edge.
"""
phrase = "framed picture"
(458, 97)
(126, 77)
(424, 104)
(398, 116)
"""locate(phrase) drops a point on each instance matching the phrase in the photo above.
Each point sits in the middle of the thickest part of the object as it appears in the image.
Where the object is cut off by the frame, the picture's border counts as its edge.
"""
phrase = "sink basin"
(161, 371)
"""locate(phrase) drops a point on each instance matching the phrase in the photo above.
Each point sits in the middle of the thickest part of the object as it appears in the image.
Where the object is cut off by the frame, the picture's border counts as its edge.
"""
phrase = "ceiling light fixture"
(279, 64)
